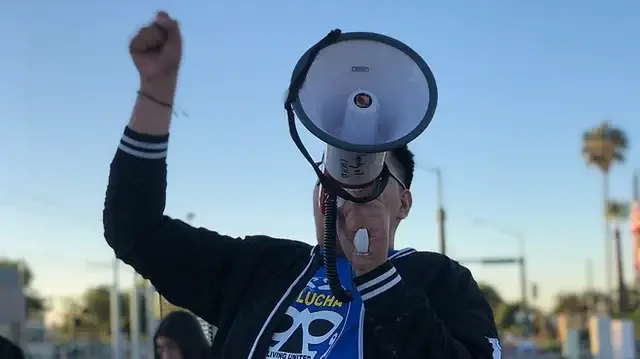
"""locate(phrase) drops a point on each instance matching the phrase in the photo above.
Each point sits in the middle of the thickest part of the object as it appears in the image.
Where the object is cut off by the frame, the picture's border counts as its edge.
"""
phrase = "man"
(180, 336)
(269, 297)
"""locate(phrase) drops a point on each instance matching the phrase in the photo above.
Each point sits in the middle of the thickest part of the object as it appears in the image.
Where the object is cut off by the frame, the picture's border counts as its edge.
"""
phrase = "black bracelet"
(154, 100)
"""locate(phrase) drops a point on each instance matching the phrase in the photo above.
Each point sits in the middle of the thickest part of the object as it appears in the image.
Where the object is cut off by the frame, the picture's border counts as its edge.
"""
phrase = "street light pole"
(114, 303)
(115, 310)
(440, 212)
(134, 319)
(522, 263)
(523, 278)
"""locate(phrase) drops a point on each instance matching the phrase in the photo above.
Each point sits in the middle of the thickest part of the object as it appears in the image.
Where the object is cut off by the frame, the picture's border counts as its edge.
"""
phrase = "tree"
(491, 295)
(97, 304)
(544, 327)
(571, 303)
(90, 316)
(602, 146)
(581, 303)
(507, 315)
(35, 303)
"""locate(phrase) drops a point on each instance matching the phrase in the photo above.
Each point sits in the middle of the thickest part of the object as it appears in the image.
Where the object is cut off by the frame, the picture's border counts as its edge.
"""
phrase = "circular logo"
(362, 100)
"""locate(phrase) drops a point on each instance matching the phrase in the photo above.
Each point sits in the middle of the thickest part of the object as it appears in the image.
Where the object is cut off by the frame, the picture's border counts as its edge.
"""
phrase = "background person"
(10, 350)
(180, 336)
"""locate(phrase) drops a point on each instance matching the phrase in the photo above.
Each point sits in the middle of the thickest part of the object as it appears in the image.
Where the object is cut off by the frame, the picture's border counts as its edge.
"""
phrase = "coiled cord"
(330, 249)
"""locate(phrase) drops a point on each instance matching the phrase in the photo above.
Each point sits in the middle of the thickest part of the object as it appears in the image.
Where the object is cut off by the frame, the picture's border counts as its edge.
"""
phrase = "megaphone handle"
(361, 242)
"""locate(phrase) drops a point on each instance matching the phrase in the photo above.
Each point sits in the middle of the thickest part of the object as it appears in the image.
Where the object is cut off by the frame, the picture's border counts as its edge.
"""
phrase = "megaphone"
(362, 94)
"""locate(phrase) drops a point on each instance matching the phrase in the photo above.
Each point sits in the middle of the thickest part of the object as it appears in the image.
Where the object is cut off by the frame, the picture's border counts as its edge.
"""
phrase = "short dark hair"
(404, 156)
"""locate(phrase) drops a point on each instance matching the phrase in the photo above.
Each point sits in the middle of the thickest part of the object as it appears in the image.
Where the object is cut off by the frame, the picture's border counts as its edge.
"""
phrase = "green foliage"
(90, 316)
(491, 295)
(35, 303)
(507, 314)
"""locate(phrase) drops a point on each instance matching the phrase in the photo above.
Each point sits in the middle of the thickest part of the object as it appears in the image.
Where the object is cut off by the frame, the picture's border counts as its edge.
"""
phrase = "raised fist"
(157, 49)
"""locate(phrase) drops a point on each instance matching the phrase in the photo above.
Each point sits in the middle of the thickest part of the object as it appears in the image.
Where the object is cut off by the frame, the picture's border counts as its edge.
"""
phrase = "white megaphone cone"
(362, 94)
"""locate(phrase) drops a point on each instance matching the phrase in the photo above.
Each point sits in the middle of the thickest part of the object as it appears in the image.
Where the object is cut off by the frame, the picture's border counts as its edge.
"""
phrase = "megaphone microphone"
(363, 94)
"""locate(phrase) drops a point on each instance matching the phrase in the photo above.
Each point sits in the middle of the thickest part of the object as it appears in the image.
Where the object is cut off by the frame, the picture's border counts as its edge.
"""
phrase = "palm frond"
(617, 210)
(619, 138)
(619, 157)
(603, 145)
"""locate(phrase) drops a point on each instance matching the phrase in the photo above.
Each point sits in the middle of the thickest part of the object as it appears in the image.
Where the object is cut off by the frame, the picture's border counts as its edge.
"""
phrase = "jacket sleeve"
(406, 326)
(190, 267)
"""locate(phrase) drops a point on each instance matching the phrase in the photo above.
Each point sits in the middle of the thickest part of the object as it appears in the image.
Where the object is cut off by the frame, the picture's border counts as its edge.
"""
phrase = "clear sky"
(519, 81)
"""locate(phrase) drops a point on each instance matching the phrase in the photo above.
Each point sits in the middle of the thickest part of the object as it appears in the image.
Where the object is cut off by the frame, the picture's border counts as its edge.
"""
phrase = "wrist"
(153, 109)
(161, 90)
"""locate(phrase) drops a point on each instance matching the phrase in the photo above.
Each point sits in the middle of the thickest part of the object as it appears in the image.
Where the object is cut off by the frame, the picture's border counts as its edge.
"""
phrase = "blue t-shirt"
(317, 326)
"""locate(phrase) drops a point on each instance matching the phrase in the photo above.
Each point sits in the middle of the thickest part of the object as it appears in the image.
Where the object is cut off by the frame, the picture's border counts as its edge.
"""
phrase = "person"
(269, 297)
(180, 336)
(9, 350)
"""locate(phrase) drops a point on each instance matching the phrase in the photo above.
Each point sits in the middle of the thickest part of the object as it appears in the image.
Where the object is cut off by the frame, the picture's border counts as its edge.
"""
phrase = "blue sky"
(519, 81)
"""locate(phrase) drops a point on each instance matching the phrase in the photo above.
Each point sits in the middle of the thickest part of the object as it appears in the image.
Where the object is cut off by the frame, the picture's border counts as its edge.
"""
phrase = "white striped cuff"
(381, 283)
(151, 150)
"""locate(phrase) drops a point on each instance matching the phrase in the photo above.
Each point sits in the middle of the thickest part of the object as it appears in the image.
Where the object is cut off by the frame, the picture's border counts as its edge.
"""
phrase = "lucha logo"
(311, 325)
(309, 333)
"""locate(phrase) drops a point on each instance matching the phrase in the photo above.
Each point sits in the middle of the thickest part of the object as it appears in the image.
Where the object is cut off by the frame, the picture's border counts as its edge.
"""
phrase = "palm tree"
(602, 146)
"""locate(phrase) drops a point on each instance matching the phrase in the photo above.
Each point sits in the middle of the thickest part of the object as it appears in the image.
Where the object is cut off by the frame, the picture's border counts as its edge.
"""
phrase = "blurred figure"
(180, 336)
(9, 350)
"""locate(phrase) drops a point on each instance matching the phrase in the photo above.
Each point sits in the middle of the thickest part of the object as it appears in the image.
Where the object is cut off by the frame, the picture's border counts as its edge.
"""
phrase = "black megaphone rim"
(346, 146)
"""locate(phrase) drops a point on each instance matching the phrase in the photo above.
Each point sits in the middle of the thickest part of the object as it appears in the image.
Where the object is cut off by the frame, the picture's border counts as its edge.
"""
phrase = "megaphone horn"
(362, 94)
(366, 64)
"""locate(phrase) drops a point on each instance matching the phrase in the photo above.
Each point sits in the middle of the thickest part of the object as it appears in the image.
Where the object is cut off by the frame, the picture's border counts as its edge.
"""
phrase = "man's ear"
(406, 200)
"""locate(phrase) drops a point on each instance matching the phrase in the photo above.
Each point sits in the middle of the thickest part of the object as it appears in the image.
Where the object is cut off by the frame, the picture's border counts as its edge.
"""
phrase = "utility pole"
(115, 310)
(150, 316)
(441, 216)
(134, 319)
(114, 303)
(524, 283)
(622, 287)
(520, 260)
(589, 287)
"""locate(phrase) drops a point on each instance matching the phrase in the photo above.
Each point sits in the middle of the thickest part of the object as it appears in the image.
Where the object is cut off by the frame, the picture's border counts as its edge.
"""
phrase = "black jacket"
(9, 350)
(183, 328)
(244, 286)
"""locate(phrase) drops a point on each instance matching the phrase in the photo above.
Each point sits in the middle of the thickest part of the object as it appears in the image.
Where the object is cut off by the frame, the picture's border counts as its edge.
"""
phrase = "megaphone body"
(362, 94)
(355, 171)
